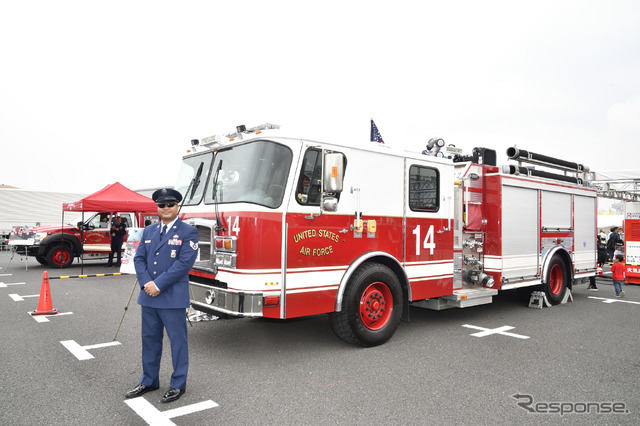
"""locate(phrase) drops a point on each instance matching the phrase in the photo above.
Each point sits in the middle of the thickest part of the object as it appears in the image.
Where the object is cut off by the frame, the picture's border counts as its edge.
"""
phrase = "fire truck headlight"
(226, 260)
(209, 297)
(40, 236)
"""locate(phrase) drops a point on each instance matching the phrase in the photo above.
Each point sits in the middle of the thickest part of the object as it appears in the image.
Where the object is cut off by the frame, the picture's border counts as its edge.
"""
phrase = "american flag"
(375, 133)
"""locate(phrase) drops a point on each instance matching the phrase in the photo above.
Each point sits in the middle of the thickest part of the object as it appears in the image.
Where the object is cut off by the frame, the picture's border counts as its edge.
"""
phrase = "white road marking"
(500, 330)
(605, 300)
(188, 409)
(4, 285)
(153, 416)
(81, 352)
(18, 298)
(43, 318)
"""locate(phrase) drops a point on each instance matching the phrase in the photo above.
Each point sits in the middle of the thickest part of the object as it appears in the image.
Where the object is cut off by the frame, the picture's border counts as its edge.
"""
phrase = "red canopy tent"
(113, 197)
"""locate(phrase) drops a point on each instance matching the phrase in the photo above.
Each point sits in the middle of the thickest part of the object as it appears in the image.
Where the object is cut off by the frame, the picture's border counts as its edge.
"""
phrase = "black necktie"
(162, 232)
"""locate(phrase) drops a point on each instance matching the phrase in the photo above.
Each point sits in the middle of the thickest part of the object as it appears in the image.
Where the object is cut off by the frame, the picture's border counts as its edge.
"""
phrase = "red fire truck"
(57, 245)
(291, 227)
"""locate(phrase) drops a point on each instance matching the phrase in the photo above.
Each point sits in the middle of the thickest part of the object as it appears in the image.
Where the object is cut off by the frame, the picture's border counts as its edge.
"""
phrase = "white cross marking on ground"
(81, 352)
(153, 416)
(4, 285)
(500, 330)
(18, 298)
(43, 318)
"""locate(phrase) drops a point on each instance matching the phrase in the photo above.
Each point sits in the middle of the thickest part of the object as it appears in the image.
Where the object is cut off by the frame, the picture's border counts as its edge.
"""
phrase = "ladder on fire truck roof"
(619, 185)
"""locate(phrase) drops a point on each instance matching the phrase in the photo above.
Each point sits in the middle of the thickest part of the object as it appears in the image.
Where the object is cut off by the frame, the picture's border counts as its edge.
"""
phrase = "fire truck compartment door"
(556, 211)
(585, 236)
(520, 232)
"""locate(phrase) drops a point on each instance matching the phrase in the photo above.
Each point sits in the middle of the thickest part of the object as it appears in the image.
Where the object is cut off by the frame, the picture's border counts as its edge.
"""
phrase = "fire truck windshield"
(193, 175)
(255, 172)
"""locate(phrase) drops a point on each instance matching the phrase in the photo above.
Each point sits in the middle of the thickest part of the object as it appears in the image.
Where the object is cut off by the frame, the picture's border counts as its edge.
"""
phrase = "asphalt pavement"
(503, 363)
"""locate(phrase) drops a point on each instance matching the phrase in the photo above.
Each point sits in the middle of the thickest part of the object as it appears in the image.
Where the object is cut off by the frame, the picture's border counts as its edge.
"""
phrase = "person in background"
(166, 253)
(602, 236)
(614, 239)
(620, 243)
(601, 243)
(617, 274)
(118, 231)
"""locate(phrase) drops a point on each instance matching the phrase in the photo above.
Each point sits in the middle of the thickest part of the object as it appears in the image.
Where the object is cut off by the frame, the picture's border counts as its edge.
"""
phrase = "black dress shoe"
(139, 390)
(172, 394)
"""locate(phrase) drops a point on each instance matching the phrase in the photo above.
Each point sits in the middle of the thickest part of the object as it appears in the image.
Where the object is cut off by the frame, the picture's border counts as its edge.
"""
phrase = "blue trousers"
(154, 322)
(617, 286)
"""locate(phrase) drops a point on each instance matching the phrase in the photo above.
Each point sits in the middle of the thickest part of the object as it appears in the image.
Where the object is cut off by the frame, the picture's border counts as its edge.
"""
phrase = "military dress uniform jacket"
(166, 261)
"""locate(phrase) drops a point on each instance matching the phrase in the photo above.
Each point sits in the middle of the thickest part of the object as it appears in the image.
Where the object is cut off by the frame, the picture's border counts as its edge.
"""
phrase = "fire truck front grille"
(204, 242)
(205, 255)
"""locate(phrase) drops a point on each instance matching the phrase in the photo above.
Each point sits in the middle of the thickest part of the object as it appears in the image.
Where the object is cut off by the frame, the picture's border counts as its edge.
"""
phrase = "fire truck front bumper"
(26, 249)
(219, 301)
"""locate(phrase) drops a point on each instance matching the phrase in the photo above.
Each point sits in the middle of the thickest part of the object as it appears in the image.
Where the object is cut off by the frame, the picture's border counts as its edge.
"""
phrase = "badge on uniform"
(173, 253)
(193, 245)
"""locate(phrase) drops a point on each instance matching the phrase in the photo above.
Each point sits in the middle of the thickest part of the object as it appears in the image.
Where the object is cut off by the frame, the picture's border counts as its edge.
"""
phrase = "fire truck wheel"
(371, 307)
(42, 260)
(59, 256)
(556, 282)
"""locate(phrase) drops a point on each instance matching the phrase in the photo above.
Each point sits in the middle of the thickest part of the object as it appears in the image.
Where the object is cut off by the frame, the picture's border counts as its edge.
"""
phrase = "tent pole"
(82, 247)
(62, 227)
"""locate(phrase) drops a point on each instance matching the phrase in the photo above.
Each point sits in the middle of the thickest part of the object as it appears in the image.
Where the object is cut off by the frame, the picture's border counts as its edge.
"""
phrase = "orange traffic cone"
(44, 302)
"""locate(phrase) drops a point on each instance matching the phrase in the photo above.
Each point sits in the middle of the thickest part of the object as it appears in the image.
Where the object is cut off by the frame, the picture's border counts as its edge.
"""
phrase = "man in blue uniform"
(166, 253)
(118, 231)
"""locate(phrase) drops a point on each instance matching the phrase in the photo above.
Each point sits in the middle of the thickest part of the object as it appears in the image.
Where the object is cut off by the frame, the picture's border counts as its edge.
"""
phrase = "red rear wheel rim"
(556, 279)
(376, 306)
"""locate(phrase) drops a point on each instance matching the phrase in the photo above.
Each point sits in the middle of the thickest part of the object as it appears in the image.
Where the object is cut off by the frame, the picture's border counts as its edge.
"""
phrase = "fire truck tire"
(59, 256)
(555, 285)
(42, 260)
(371, 307)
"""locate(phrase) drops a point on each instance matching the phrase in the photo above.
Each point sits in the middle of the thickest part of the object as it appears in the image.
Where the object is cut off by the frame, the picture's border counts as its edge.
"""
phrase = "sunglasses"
(163, 205)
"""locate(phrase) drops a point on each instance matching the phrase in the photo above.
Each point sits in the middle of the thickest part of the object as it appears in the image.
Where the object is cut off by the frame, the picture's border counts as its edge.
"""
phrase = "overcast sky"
(97, 92)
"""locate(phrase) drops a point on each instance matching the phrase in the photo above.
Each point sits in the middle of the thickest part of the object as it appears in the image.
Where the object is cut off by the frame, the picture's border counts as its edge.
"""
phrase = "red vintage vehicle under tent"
(56, 246)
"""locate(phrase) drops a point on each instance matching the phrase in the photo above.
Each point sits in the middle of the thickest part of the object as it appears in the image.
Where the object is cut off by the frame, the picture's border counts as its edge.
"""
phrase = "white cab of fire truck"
(291, 227)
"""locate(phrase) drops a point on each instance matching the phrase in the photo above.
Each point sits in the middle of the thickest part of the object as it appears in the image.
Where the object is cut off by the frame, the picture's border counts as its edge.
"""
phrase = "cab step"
(463, 298)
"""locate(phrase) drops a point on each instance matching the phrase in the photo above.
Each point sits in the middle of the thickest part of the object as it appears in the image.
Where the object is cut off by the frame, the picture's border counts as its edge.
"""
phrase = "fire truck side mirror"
(333, 172)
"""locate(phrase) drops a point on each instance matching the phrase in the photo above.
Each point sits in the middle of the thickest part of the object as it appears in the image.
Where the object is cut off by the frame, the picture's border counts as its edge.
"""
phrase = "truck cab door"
(428, 229)
(97, 236)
